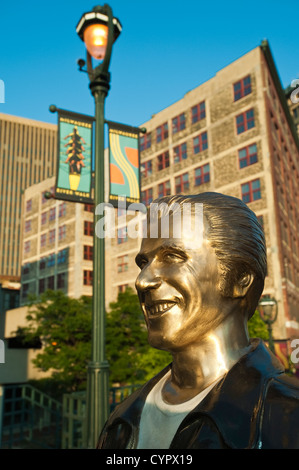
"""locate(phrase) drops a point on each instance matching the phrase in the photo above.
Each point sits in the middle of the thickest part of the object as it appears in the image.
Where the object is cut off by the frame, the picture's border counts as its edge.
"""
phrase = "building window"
(198, 112)
(43, 239)
(202, 175)
(61, 280)
(162, 132)
(51, 260)
(61, 232)
(27, 246)
(44, 218)
(52, 214)
(88, 252)
(52, 236)
(41, 286)
(180, 152)
(88, 207)
(164, 189)
(178, 123)
(62, 209)
(87, 277)
(25, 269)
(200, 142)
(29, 205)
(42, 263)
(145, 141)
(248, 155)
(25, 290)
(122, 235)
(163, 161)
(88, 228)
(62, 256)
(251, 191)
(146, 169)
(242, 88)
(181, 183)
(122, 288)
(28, 226)
(51, 282)
(147, 196)
(122, 263)
(245, 121)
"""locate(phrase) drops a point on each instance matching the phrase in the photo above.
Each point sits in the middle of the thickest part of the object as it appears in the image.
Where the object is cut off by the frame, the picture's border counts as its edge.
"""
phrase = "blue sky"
(166, 48)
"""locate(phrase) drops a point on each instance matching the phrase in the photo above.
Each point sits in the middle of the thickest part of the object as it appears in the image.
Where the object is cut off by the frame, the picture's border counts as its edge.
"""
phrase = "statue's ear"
(242, 286)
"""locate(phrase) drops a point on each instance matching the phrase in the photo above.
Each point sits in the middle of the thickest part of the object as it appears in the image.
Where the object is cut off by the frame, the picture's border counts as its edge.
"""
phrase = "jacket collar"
(235, 403)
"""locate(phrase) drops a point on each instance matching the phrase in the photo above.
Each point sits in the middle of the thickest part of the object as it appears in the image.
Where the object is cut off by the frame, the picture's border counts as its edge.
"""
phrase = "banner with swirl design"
(124, 164)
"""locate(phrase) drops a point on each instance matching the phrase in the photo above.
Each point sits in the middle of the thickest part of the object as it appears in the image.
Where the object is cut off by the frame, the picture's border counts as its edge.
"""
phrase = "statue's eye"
(141, 262)
(172, 257)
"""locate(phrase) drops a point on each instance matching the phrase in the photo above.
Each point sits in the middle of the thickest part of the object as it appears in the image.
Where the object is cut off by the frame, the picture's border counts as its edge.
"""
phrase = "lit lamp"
(98, 29)
(268, 310)
(95, 37)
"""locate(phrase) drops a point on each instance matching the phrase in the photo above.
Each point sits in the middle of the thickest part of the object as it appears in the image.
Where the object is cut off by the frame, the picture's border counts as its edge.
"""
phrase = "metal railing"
(73, 410)
(73, 424)
(30, 418)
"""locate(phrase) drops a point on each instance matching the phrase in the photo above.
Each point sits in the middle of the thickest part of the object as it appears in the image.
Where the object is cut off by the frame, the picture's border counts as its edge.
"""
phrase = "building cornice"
(280, 91)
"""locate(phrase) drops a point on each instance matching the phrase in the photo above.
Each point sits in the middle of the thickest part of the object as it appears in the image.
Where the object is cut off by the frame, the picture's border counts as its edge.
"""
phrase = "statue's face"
(179, 290)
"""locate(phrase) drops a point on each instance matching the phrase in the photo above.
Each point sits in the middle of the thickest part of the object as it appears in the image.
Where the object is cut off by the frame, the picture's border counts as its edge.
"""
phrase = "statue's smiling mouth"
(158, 308)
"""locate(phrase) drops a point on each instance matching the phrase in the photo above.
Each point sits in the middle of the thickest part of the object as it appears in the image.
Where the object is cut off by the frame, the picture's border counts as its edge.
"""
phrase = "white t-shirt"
(160, 420)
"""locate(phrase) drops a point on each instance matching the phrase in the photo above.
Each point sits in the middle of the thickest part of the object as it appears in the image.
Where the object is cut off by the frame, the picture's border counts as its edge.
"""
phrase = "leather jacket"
(254, 406)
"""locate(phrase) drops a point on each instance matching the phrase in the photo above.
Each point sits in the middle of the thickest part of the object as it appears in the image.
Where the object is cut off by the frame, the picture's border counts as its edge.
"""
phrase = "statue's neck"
(206, 361)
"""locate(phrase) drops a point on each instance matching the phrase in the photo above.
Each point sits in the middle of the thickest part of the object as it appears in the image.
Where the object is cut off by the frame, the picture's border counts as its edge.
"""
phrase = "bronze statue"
(197, 292)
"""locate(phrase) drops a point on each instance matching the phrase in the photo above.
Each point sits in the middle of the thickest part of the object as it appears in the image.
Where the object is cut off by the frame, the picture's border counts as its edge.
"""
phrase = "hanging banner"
(124, 164)
(74, 165)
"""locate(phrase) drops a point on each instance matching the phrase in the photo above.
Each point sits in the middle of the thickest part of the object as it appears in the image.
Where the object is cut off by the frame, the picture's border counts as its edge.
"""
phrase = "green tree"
(131, 358)
(257, 328)
(63, 325)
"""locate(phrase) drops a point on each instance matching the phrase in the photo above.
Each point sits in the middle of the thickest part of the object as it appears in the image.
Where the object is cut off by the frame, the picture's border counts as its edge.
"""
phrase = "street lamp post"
(98, 29)
(268, 310)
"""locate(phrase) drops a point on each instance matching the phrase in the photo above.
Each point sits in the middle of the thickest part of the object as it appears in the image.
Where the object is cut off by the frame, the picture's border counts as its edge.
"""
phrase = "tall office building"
(27, 156)
(57, 244)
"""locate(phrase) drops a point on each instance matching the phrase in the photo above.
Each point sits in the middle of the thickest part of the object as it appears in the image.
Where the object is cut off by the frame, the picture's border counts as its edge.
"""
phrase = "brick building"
(233, 134)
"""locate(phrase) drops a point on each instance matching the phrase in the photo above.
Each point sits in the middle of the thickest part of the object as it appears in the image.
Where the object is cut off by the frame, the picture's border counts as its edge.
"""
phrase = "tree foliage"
(63, 325)
(257, 328)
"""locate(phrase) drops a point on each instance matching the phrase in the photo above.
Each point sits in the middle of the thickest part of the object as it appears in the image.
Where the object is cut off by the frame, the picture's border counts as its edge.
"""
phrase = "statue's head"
(210, 264)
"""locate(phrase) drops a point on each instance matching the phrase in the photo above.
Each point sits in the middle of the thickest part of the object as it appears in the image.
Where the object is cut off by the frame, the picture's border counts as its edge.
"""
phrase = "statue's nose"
(148, 279)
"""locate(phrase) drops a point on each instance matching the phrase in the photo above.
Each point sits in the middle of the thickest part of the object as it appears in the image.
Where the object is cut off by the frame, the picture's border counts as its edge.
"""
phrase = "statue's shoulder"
(281, 413)
(284, 387)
